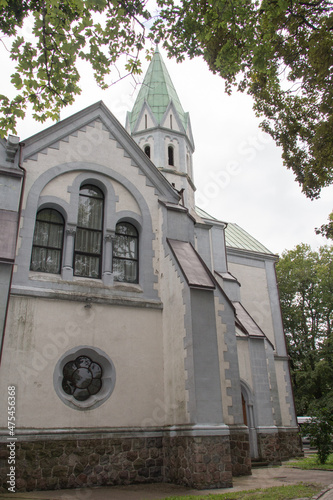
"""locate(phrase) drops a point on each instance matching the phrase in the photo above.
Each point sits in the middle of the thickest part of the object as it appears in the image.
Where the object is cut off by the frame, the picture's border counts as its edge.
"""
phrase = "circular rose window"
(84, 377)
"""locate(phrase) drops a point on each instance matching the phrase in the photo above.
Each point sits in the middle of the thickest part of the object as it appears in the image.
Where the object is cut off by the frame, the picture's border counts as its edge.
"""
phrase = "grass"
(289, 492)
(312, 462)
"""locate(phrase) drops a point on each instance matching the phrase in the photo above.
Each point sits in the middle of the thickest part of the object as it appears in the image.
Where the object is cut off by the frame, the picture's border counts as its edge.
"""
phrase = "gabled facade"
(142, 338)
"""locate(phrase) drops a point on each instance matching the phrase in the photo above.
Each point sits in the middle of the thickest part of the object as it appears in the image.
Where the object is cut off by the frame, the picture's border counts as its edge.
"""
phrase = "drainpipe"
(21, 146)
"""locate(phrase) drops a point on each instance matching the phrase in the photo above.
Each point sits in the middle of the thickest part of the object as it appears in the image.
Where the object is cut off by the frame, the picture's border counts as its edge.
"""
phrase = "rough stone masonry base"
(199, 462)
(195, 461)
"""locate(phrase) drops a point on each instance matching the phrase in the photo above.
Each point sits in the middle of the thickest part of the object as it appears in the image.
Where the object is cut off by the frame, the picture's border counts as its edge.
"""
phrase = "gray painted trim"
(100, 112)
(249, 255)
(108, 299)
(245, 260)
(267, 429)
(101, 176)
(116, 432)
(261, 387)
(207, 377)
(188, 340)
(11, 172)
(226, 314)
(273, 385)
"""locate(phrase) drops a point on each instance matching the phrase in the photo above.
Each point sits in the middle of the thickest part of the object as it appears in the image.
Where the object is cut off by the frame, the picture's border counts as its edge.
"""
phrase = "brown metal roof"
(195, 271)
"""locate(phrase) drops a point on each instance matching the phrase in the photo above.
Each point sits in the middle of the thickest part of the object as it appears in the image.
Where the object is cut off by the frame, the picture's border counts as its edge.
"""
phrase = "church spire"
(162, 129)
(158, 91)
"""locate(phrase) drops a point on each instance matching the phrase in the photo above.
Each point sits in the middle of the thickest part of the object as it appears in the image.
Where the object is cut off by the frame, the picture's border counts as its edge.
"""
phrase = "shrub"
(320, 432)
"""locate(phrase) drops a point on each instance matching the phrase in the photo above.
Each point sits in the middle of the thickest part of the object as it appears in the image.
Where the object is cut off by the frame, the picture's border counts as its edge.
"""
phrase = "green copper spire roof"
(157, 90)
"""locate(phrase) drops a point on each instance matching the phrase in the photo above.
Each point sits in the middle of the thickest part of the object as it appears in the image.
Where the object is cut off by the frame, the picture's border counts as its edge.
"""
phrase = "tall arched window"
(125, 253)
(89, 233)
(171, 156)
(48, 242)
(147, 150)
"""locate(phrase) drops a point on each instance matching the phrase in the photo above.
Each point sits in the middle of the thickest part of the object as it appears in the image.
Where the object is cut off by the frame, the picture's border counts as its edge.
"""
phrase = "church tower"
(162, 129)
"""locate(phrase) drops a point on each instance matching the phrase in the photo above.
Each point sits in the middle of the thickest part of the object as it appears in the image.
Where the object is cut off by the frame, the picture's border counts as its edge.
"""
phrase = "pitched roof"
(158, 91)
(236, 237)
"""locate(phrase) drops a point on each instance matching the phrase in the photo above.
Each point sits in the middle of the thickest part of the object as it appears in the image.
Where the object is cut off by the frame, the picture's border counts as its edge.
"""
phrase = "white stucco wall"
(42, 330)
(254, 295)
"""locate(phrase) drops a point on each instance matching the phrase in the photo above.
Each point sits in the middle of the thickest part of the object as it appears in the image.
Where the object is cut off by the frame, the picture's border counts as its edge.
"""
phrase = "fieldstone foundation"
(58, 464)
(240, 453)
(290, 445)
(269, 447)
(194, 461)
(278, 446)
(199, 462)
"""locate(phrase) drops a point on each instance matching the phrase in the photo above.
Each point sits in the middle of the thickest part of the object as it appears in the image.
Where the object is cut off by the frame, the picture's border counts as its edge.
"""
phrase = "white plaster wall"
(167, 123)
(42, 330)
(142, 122)
(125, 200)
(94, 147)
(254, 295)
(58, 187)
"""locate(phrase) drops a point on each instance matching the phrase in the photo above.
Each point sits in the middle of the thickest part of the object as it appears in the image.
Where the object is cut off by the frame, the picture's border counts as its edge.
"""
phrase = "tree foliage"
(278, 51)
(305, 281)
(281, 53)
(46, 74)
(320, 431)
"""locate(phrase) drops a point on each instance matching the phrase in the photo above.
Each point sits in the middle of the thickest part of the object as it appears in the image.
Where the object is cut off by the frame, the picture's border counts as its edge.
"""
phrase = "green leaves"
(46, 74)
(320, 432)
(281, 53)
(278, 51)
(305, 281)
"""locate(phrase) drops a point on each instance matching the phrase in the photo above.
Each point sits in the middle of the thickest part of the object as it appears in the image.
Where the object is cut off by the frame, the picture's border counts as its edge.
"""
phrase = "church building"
(141, 338)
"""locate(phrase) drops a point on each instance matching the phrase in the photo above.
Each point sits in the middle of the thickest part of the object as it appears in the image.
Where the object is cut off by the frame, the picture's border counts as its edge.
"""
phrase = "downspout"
(21, 146)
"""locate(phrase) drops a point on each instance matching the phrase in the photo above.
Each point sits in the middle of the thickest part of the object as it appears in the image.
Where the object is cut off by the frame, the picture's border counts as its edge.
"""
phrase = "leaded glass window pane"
(126, 247)
(88, 240)
(87, 266)
(125, 253)
(125, 270)
(47, 242)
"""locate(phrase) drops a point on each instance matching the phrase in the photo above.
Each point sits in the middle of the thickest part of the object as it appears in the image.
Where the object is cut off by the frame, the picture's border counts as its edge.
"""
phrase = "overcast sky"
(238, 170)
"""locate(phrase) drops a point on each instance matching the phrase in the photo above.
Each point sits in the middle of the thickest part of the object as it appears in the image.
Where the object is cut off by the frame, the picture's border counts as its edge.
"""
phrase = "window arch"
(147, 150)
(171, 156)
(125, 253)
(48, 241)
(89, 233)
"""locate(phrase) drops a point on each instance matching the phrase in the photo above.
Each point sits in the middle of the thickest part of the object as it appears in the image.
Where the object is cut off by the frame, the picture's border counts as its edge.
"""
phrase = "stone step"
(257, 462)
